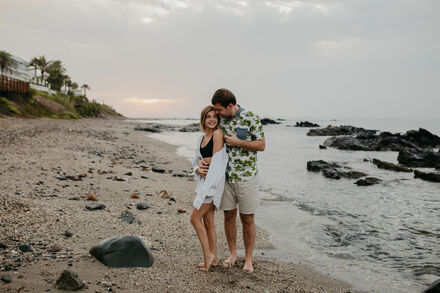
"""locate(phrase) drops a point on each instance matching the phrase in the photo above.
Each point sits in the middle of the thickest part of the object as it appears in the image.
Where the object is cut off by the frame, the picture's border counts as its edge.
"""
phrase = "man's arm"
(254, 145)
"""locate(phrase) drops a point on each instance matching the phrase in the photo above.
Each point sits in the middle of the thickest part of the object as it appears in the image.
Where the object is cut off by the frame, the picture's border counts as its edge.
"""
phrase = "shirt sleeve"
(256, 129)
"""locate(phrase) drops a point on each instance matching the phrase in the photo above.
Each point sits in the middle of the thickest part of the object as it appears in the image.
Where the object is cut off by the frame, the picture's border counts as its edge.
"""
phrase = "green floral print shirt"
(242, 164)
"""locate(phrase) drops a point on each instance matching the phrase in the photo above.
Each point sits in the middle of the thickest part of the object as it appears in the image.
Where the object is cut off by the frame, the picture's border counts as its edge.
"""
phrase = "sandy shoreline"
(37, 209)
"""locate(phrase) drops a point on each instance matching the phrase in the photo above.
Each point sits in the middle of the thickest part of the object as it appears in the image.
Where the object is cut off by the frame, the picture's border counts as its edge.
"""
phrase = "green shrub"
(8, 107)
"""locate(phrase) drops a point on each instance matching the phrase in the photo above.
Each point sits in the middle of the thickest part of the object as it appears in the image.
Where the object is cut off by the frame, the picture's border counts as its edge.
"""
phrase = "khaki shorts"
(245, 194)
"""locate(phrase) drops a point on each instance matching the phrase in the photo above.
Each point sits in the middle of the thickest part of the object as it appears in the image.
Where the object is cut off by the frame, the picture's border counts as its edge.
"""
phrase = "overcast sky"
(321, 58)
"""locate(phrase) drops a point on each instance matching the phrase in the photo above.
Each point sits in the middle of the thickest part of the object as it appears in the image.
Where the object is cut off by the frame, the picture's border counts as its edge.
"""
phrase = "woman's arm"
(218, 141)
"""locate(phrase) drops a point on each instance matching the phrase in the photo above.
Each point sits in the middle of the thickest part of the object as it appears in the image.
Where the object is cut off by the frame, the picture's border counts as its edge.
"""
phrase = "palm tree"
(42, 64)
(34, 63)
(7, 63)
(85, 87)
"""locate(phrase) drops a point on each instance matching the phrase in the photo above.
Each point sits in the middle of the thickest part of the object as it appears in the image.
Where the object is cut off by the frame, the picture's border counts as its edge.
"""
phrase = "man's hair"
(223, 97)
(203, 115)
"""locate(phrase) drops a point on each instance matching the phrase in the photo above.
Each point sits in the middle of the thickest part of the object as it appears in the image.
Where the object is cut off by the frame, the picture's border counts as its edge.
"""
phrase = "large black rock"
(123, 251)
(333, 170)
(306, 124)
(434, 287)
(419, 158)
(433, 177)
(266, 121)
(341, 130)
(367, 181)
(390, 166)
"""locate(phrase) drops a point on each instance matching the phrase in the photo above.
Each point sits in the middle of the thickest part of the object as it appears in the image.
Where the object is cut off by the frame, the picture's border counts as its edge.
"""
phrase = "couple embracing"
(226, 166)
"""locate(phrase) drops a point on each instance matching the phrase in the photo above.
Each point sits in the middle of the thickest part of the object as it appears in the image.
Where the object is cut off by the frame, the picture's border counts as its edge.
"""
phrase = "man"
(244, 137)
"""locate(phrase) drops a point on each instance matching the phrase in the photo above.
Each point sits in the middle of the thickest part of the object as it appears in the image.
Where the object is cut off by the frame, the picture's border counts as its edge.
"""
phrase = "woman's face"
(211, 120)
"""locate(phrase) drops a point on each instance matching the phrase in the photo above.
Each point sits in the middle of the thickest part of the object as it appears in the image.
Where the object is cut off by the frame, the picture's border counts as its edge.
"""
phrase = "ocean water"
(381, 238)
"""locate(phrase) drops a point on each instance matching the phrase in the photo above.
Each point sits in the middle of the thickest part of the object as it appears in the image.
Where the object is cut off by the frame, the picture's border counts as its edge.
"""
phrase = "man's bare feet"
(248, 268)
(230, 262)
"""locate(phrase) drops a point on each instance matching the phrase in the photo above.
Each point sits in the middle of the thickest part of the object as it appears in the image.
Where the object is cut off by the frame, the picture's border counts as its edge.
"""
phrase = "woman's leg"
(208, 220)
(196, 221)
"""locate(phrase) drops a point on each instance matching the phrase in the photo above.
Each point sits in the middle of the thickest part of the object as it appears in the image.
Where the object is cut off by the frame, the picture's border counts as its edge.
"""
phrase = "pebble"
(6, 279)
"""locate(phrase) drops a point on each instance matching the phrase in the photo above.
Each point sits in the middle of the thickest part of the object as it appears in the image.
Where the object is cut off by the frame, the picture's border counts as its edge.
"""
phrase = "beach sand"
(36, 209)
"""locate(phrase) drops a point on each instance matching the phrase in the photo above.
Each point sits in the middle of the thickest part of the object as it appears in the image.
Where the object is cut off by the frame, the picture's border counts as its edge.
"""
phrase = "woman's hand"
(202, 172)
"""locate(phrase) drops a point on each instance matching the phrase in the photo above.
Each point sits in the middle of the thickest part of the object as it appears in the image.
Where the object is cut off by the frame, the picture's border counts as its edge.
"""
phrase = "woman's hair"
(203, 115)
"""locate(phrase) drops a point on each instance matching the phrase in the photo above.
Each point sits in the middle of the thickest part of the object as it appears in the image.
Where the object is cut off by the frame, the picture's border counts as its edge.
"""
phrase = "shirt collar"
(238, 112)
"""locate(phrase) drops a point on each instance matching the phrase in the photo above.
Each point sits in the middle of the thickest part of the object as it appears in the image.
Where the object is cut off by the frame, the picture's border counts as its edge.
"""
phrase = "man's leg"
(249, 240)
(231, 236)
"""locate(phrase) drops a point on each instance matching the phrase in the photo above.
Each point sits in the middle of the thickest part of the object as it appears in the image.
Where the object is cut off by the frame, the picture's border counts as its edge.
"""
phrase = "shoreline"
(39, 211)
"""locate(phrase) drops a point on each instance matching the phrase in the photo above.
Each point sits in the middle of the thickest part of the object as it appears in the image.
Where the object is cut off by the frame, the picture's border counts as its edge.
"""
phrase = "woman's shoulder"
(218, 132)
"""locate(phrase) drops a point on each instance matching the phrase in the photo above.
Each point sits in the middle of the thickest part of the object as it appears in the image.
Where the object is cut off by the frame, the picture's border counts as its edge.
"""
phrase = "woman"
(210, 149)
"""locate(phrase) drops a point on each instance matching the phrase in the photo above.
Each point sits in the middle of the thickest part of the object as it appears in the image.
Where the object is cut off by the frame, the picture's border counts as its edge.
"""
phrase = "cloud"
(140, 100)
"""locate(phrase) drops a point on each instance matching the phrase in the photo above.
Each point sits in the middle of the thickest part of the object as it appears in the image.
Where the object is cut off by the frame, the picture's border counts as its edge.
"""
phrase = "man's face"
(219, 109)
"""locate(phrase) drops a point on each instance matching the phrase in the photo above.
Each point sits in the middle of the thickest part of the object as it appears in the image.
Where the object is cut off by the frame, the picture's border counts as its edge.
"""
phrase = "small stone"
(6, 279)
(69, 264)
(134, 195)
(158, 170)
(68, 234)
(164, 194)
(128, 174)
(116, 178)
(95, 206)
(144, 177)
(181, 211)
(142, 206)
(69, 281)
(128, 217)
(91, 197)
(55, 247)
(2, 245)
(25, 248)
(172, 199)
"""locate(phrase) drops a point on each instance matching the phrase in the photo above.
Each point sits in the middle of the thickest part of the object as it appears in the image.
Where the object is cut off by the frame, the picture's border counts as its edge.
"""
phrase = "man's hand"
(232, 140)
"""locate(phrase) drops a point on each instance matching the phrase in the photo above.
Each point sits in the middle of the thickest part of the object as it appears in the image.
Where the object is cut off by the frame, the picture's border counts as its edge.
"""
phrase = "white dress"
(214, 183)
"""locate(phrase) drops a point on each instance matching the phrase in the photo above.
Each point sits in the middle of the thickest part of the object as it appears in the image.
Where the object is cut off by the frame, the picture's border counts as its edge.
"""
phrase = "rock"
(128, 174)
(306, 124)
(75, 198)
(144, 177)
(68, 234)
(164, 194)
(390, 166)
(134, 195)
(322, 147)
(25, 248)
(181, 210)
(419, 158)
(193, 127)
(116, 178)
(332, 170)
(340, 130)
(148, 129)
(2, 245)
(433, 177)
(433, 288)
(158, 170)
(94, 206)
(316, 166)
(6, 279)
(55, 247)
(367, 181)
(69, 281)
(422, 138)
(61, 177)
(128, 217)
(142, 206)
(123, 251)
(266, 121)
(91, 197)
(347, 143)
(73, 178)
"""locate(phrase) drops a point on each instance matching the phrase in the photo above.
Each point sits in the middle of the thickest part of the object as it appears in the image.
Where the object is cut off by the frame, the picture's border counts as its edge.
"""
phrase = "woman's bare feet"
(207, 262)
(230, 262)
(214, 263)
